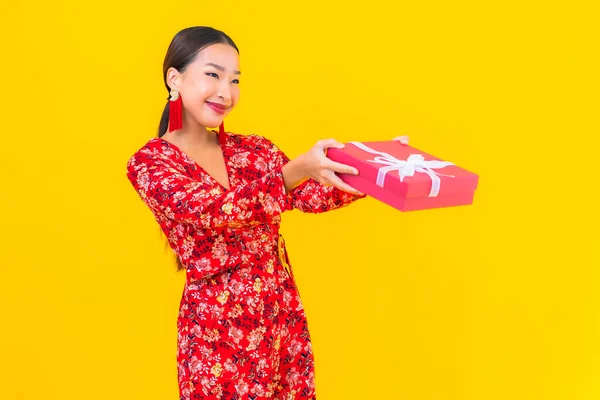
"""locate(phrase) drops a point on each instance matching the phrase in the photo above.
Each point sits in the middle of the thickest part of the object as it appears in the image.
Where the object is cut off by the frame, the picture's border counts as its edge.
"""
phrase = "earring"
(175, 111)
(221, 128)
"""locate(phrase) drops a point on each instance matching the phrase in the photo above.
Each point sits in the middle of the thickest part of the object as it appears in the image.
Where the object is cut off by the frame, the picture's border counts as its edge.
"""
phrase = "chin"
(210, 123)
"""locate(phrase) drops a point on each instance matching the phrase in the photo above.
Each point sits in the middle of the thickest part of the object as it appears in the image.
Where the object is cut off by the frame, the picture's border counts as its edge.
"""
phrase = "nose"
(225, 93)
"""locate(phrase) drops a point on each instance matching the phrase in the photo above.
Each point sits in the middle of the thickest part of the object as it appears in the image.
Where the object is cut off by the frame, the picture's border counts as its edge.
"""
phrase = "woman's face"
(209, 86)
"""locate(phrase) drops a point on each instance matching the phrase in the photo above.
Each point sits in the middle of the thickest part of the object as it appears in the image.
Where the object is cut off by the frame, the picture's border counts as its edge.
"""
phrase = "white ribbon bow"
(414, 163)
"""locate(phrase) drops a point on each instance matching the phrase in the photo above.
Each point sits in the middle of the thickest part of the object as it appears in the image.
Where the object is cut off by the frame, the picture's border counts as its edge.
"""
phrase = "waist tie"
(283, 257)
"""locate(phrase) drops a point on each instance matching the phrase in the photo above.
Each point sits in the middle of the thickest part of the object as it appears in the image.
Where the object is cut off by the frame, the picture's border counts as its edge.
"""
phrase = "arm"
(165, 190)
(314, 197)
(309, 196)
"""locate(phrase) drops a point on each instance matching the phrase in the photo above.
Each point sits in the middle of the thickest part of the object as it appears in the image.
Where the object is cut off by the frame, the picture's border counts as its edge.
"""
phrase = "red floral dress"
(242, 330)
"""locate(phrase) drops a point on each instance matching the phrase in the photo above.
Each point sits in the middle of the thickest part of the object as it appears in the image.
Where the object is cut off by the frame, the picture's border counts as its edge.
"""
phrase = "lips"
(216, 107)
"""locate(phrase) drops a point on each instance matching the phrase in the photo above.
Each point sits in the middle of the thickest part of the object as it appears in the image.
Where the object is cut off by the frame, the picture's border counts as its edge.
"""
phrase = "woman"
(218, 197)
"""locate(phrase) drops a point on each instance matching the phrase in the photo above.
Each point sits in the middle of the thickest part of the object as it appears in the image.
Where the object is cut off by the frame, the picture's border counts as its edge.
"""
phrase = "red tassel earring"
(175, 111)
(221, 128)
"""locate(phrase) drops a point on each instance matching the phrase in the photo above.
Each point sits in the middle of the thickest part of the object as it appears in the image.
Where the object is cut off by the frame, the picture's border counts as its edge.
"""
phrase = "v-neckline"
(221, 141)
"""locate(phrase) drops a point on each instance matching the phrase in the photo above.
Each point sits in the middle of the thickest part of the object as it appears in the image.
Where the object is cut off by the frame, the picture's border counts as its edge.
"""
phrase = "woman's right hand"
(322, 169)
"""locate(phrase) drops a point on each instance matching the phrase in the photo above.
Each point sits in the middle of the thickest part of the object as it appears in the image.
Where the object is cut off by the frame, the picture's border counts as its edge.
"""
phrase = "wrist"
(302, 165)
(294, 172)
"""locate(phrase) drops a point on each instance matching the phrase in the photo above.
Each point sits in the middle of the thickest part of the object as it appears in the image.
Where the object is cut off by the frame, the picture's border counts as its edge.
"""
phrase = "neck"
(195, 135)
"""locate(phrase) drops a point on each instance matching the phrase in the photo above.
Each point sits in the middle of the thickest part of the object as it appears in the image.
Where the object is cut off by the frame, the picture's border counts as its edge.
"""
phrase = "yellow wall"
(494, 301)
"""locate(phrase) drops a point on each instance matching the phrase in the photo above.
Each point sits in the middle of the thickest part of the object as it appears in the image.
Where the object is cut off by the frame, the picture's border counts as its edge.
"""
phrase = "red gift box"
(404, 177)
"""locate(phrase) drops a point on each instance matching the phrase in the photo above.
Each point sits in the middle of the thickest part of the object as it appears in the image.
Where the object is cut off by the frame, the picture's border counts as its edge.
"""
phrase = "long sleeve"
(180, 198)
(310, 196)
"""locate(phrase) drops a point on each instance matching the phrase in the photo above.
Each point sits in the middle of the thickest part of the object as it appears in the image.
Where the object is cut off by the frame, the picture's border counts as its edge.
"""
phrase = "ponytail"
(164, 121)
(162, 129)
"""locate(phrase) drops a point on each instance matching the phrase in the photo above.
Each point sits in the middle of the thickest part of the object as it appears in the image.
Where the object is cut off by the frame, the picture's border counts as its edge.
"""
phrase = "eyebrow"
(221, 68)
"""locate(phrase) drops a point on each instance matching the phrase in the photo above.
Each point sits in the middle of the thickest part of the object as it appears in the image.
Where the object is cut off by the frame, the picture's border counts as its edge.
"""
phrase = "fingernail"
(355, 171)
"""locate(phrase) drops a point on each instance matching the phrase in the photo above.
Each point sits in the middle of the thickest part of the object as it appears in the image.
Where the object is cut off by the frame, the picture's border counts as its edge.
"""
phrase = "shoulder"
(255, 142)
(261, 147)
(156, 147)
(250, 141)
(154, 151)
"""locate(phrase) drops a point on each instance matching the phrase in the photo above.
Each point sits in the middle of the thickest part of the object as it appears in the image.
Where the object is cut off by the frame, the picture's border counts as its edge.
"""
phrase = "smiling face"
(209, 85)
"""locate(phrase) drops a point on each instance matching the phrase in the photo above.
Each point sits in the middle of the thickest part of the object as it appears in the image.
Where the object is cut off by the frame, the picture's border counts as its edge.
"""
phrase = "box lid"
(398, 158)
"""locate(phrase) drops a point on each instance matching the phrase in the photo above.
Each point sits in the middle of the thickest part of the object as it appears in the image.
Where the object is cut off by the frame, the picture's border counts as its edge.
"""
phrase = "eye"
(236, 81)
(211, 74)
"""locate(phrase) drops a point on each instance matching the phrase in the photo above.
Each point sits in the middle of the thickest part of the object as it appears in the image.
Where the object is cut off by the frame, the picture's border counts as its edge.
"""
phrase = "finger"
(332, 179)
(329, 164)
(402, 139)
(345, 187)
(327, 143)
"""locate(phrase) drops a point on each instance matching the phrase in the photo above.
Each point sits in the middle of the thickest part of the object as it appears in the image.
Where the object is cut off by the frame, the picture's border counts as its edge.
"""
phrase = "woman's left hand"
(402, 139)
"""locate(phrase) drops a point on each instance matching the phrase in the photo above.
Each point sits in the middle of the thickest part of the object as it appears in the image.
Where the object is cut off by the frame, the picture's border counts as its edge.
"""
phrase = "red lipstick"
(216, 107)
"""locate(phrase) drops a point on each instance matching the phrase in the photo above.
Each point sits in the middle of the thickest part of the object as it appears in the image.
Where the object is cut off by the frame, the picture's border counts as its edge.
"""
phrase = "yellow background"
(498, 300)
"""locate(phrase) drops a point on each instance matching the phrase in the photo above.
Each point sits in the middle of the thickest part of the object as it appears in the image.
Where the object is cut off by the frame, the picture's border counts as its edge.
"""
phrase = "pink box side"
(403, 203)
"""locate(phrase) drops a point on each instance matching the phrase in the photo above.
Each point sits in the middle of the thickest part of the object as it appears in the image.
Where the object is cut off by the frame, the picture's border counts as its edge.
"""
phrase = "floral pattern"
(242, 330)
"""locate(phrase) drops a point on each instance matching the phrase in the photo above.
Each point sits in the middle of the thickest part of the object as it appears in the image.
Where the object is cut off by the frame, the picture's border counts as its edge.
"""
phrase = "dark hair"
(181, 52)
